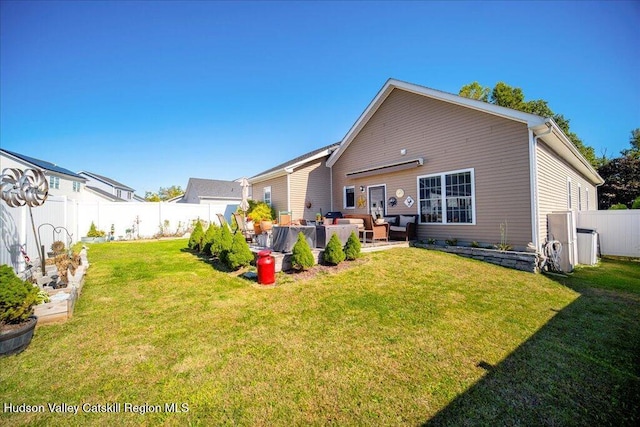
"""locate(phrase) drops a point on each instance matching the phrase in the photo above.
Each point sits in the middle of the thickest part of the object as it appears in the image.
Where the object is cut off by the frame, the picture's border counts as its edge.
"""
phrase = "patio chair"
(242, 227)
(284, 218)
(223, 221)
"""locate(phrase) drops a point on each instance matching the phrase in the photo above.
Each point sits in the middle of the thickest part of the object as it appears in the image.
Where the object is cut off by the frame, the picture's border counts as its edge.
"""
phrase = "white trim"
(344, 197)
(369, 198)
(289, 194)
(579, 197)
(533, 182)
(587, 198)
(290, 168)
(264, 193)
(569, 198)
(443, 183)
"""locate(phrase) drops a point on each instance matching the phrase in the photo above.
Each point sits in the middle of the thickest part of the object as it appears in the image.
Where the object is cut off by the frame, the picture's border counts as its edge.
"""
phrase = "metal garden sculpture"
(28, 187)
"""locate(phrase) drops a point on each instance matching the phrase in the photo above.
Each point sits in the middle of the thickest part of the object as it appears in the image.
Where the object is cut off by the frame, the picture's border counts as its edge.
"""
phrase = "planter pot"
(266, 225)
(15, 340)
(256, 228)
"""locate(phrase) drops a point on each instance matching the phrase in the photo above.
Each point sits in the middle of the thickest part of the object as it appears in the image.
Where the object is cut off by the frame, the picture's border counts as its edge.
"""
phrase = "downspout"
(533, 166)
(331, 187)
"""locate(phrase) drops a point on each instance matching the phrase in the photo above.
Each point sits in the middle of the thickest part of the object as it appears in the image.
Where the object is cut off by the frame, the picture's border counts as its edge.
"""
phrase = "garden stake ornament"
(28, 188)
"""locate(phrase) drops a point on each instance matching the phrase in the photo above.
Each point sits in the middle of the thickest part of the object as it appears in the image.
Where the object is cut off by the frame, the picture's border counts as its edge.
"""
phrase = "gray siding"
(553, 187)
(449, 138)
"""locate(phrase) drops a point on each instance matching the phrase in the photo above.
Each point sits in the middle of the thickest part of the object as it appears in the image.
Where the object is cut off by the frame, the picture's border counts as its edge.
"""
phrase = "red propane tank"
(266, 267)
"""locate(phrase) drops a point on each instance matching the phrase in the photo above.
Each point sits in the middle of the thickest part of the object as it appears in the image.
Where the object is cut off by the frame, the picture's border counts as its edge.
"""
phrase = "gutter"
(533, 167)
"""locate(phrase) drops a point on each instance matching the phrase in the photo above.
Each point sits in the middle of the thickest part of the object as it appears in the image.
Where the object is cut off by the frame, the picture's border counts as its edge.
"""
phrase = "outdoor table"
(324, 232)
(284, 237)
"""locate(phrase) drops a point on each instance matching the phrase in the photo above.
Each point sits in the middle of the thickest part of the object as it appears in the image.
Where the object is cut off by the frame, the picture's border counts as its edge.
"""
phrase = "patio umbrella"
(244, 204)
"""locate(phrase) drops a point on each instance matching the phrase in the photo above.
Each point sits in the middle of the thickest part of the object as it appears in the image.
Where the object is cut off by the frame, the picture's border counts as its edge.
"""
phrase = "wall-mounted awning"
(386, 168)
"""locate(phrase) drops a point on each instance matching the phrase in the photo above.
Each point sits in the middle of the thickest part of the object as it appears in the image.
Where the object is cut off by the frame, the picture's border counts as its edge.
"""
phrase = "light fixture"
(403, 151)
(362, 188)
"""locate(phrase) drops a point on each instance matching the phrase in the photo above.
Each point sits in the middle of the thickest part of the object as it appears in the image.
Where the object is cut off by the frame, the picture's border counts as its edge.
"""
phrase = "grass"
(406, 337)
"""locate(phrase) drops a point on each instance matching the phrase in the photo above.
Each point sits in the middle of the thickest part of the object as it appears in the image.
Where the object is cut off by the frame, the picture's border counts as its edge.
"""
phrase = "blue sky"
(152, 93)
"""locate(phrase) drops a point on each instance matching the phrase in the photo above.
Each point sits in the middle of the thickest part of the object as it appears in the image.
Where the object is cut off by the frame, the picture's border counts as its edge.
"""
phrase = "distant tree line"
(621, 189)
(163, 194)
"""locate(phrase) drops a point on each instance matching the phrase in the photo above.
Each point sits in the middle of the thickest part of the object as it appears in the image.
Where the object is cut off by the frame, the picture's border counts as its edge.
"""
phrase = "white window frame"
(344, 196)
(587, 198)
(267, 191)
(579, 197)
(443, 183)
(76, 186)
(129, 195)
(569, 198)
(118, 193)
(54, 182)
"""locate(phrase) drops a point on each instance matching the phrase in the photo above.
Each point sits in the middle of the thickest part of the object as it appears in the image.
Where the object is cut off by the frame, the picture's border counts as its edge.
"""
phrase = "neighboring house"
(300, 186)
(62, 182)
(108, 188)
(212, 191)
(464, 166)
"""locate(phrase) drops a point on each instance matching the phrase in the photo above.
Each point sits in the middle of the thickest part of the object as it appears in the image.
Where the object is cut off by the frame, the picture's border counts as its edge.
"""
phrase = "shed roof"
(289, 166)
(213, 189)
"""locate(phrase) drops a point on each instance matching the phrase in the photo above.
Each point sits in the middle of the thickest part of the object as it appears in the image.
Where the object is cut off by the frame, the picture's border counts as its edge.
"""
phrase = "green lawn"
(405, 337)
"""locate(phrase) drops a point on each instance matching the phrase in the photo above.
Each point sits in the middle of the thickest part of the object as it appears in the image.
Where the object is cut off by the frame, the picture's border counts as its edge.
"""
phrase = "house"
(467, 168)
(62, 182)
(300, 186)
(107, 188)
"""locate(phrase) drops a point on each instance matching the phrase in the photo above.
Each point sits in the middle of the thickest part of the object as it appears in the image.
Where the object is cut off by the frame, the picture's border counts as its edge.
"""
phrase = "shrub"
(475, 244)
(261, 212)
(451, 242)
(222, 242)
(302, 257)
(239, 255)
(618, 207)
(94, 232)
(209, 238)
(353, 247)
(17, 297)
(636, 203)
(333, 253)
(197, 236)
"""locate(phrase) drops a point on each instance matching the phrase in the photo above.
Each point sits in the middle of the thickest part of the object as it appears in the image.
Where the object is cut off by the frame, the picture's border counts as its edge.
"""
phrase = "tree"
(512, 97)
(196, 238)
(239, 255)
(621, 180)
(333, 252)
(353, 247)
(222, 243)
(163, 194)
(475, 91)
(210, 237)
(634, 141)
(301, 256)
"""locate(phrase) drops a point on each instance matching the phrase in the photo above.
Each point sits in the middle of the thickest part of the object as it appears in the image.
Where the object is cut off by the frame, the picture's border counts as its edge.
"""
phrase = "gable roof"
(291, 165)
(545, 128)
(104, 194)
(213, 189)
(109, 181)
(42, 164)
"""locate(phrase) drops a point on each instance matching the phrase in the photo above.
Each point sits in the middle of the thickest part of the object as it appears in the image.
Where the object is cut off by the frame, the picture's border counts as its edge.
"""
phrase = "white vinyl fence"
(129, 221)
(618, 231)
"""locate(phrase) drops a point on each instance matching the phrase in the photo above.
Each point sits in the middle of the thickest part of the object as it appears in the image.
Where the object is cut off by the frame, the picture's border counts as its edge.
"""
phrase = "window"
(128, 195)
(54, 182)
(266, 195)
(119, 193)
(587, 199)
(349, 197)
(569, 201)
(457, 198)
(579, 197)
(76, 186)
